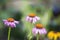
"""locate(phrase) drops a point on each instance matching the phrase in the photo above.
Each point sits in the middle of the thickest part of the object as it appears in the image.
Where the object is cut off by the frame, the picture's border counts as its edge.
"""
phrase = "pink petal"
(37, 18)
(42, 31)
(12, 24)
(34, 20)
(27, 18)
(34, 31)
(17, 22)
(30, 19)
(8, 24)
(5, 23)
(45, 31)
(4, 20)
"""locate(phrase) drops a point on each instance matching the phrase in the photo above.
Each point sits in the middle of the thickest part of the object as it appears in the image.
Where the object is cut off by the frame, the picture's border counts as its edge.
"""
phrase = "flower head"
(10, 22)
(32, 18)
(39, 29)
(53, 34)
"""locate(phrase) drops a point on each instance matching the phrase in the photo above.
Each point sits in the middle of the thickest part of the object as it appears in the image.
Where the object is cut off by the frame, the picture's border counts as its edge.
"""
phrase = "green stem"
(38, 36)
(9, 33)
(30, 32)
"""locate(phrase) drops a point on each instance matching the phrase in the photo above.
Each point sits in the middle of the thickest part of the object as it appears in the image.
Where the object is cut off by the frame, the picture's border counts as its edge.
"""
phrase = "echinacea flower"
(10, 22)
(39, 29)
(53, 34)
(32, 18)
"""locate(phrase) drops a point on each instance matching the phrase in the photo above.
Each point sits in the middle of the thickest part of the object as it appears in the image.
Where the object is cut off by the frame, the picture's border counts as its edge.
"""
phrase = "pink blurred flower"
(39, 29)
(32, 18)
(10, 22)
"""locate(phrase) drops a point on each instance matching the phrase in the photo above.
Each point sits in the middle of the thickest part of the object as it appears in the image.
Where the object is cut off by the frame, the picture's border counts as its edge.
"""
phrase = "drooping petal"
(41, 31)
(7, 23)
(34, 31)
(30, 19)
(27, 18)
(45, 31)
(17, 22)
(12, 24)
(37, 18)
(34, 20)
(4, 20)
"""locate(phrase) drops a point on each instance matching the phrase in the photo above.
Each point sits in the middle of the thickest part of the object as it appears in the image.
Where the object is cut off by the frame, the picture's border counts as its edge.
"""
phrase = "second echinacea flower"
(32, 18)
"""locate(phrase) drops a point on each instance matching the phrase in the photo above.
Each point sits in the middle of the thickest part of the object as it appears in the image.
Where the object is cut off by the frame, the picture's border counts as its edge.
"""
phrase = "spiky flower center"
(10, 20)
(39, 26)
(32, 15)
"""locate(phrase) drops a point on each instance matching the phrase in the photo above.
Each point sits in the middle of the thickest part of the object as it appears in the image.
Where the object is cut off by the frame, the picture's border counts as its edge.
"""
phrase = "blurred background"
(47, 10)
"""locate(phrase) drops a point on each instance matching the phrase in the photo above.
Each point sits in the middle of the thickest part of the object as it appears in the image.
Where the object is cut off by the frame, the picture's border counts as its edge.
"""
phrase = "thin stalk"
(30, 33)
(9, 33)
(37, 37)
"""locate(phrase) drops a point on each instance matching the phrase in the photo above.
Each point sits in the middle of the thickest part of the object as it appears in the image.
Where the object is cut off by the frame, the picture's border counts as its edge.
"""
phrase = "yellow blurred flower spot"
(53, 34)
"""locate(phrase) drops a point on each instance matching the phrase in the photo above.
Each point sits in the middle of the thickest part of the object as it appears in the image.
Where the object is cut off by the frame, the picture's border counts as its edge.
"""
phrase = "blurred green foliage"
(22, 29)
